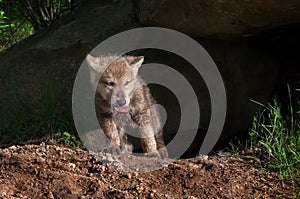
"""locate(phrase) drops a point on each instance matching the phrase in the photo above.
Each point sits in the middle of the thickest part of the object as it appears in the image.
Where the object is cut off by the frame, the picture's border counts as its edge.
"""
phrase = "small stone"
(191, 197)
(129, 176)
(71, 165)
(203, 157)
(50, 195)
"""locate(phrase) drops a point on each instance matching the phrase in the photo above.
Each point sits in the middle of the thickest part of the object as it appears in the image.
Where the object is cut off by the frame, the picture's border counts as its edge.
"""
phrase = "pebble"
(71, 165)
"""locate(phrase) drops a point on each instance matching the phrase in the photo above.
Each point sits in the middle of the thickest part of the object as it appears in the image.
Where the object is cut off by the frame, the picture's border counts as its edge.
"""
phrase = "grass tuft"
(67, 139)
(278, 134)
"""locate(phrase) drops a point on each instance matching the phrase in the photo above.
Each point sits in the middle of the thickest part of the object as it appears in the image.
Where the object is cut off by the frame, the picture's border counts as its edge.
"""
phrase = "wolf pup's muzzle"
(121, 108)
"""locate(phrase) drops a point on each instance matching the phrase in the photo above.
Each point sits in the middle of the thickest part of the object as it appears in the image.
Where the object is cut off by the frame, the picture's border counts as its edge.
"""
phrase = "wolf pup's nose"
(121, 102)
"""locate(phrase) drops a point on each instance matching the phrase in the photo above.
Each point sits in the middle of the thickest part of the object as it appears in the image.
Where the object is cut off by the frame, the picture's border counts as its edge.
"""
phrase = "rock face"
(248, 72)
(219, 19)
(52, 57)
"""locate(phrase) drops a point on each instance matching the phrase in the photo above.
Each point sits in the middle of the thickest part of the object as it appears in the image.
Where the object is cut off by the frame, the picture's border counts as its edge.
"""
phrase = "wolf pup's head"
(119, 77)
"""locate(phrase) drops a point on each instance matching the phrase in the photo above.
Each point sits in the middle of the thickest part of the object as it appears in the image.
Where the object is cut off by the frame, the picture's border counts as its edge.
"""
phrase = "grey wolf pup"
(124, 104)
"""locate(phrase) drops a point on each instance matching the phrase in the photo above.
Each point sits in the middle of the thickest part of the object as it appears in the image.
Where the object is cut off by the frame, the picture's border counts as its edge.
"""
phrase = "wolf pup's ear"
(135, 63)
(93, 62)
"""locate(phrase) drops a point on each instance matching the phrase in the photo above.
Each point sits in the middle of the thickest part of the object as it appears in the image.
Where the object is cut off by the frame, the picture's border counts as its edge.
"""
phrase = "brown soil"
(49, 171)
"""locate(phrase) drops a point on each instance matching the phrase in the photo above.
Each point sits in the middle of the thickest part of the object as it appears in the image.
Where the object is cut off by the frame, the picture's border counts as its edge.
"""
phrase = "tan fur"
(120, 80)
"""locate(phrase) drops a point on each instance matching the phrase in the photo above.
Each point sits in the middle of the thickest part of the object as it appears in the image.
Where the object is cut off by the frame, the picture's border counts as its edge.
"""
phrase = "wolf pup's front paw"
(163, 152)
(153, 154)
(112, 150)
(127, 148)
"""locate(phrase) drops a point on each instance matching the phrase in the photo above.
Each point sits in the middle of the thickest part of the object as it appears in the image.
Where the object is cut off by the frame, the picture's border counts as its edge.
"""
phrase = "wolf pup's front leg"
(125, 145)
(111, 131)
(161, 147)
(148, 141)
(142, 118)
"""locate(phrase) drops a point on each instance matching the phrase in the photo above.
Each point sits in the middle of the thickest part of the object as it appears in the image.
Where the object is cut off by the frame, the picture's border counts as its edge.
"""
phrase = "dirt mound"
(49, 171)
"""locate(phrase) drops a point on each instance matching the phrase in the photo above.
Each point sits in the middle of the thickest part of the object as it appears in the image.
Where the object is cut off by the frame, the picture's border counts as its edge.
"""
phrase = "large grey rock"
(219, 19)
(52, 57)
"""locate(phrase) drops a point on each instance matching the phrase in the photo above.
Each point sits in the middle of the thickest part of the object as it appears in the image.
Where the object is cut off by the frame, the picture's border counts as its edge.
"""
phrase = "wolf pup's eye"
(110, 83)
(127, 83)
